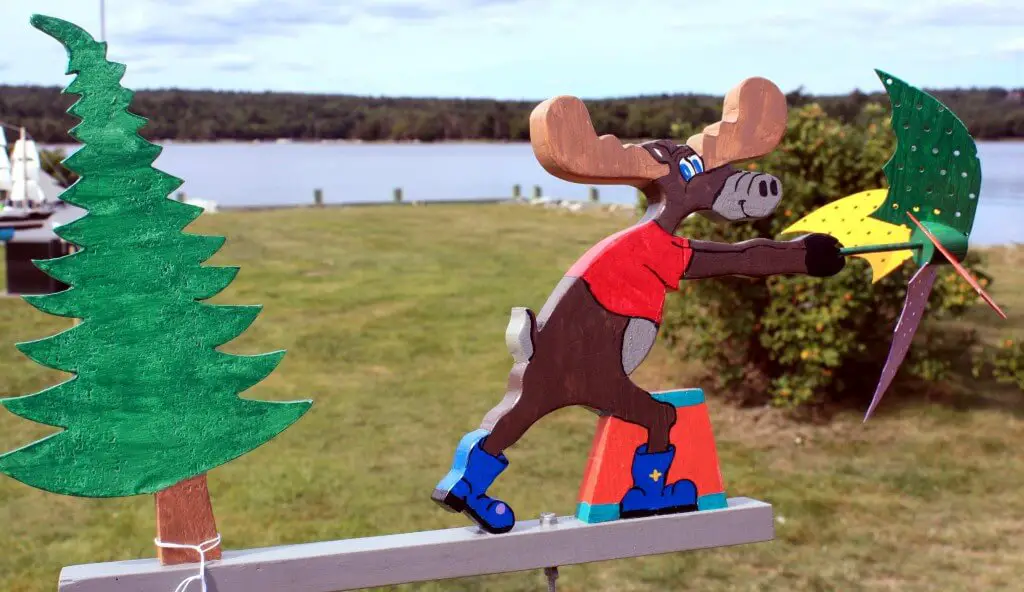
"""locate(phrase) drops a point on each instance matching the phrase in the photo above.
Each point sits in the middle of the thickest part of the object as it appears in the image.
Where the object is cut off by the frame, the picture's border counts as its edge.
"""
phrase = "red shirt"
(630, 271)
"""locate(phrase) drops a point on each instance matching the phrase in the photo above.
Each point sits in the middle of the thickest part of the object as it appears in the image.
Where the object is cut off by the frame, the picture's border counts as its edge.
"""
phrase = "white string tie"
(202, 549)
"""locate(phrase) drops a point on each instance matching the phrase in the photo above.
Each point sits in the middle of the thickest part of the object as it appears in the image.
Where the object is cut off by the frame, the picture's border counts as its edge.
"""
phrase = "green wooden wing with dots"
(935, 172)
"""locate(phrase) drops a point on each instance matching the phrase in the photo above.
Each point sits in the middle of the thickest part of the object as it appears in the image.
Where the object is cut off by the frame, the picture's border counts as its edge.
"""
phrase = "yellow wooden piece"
(849, 220)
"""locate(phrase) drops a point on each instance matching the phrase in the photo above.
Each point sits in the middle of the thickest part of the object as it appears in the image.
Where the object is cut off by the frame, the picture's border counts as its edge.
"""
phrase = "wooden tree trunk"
(184, 515)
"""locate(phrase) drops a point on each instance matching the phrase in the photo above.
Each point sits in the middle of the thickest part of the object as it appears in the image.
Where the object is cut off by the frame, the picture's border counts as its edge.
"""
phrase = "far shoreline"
(343, 142)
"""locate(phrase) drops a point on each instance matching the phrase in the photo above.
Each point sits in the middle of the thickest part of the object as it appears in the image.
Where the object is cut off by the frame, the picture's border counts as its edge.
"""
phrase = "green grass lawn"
(394, 319)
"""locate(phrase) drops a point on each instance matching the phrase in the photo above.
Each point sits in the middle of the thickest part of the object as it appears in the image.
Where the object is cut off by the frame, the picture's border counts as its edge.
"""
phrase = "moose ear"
(753, 122)
(566, 145)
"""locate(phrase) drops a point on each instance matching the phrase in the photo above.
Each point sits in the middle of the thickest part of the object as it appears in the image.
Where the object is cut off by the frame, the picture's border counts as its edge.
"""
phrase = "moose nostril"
(775, 187)
(763, 186)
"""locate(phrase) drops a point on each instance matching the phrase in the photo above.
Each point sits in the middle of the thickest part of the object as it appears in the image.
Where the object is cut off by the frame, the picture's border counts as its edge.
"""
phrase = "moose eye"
(691, 166)
(687, 169)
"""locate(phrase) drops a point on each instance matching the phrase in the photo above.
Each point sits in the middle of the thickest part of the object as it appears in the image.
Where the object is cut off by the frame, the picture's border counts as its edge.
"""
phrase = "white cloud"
(1012, 47)
(529, 48)
(234, 61)
(964, 13)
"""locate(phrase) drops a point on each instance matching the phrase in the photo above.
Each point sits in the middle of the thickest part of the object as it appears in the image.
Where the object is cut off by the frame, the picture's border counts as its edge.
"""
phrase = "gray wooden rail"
(436, 555)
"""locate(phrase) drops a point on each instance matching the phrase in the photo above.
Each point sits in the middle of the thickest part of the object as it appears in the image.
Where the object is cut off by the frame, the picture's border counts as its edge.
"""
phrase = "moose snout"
(748, 195)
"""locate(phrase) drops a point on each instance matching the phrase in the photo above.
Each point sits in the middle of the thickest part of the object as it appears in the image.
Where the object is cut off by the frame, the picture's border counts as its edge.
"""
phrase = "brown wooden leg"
(184, 515)
(510, 426)
(631, 403)
(524, 404)
(658, 433)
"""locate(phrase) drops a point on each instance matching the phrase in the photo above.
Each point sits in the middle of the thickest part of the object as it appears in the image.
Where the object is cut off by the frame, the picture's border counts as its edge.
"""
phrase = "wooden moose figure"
(602, 318)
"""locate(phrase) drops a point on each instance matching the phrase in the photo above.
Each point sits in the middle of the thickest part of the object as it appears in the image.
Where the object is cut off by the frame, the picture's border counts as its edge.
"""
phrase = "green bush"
(796, 341)
(1005, 363)
(51, 163)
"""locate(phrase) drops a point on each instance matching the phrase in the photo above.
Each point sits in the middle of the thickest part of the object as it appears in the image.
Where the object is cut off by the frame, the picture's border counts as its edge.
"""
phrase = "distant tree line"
(216, 115)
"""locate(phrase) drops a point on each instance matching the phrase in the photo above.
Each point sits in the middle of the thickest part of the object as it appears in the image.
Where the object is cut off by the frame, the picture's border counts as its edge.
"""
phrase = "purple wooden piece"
(913, 309)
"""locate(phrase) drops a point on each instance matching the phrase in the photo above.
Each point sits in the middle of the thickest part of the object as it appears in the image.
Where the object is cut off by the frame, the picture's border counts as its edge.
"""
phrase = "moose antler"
(567, 146)
(753, 122)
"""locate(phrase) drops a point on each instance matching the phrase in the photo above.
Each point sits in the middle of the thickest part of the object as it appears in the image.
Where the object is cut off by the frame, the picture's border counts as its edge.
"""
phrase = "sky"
(529, 49)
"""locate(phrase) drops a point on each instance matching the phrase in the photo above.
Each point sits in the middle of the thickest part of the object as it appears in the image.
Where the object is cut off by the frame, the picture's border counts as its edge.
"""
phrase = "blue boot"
(464, 488)
(650, 495)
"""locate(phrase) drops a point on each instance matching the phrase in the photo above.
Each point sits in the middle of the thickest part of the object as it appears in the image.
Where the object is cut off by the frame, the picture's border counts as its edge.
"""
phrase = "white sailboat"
(5, 167)
(25, 168)
(14, 219)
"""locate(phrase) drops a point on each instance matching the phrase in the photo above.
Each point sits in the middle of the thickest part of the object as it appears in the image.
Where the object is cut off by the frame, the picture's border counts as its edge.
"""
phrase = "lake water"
(234, 174)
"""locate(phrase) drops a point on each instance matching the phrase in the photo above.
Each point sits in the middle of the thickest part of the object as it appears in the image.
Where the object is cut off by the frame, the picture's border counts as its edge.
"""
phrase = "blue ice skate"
(464, 488)
(649, 494)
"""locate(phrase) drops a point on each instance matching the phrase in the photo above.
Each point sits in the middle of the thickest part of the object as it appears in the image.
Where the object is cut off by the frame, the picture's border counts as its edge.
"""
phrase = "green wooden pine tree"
(152, 401)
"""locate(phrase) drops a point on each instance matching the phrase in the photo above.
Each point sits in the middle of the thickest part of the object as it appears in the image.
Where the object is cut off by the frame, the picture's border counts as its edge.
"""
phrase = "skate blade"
(661, 512)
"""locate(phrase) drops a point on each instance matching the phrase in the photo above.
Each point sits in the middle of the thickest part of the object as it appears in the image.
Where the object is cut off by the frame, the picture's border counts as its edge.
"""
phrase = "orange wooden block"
(607, 477)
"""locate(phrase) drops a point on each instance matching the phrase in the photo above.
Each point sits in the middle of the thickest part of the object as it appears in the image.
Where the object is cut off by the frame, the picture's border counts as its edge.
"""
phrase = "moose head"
(678, 179)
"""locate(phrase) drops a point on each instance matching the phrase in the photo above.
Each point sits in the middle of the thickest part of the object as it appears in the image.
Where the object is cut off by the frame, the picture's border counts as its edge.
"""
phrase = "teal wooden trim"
(591, 514)
(681, 397)
(712, 501)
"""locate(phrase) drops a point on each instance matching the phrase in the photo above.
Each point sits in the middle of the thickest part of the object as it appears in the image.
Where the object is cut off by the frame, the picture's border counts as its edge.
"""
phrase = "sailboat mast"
(24, 165)
(24, 160)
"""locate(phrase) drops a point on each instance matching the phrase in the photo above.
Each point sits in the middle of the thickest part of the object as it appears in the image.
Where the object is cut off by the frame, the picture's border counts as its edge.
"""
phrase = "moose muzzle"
(748, 195)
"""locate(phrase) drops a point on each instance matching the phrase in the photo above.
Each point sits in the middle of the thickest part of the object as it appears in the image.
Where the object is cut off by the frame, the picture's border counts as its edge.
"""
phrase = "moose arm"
(813, 254)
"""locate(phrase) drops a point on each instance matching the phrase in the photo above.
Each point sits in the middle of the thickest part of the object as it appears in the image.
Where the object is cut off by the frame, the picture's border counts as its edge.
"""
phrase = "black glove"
(823, 258)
